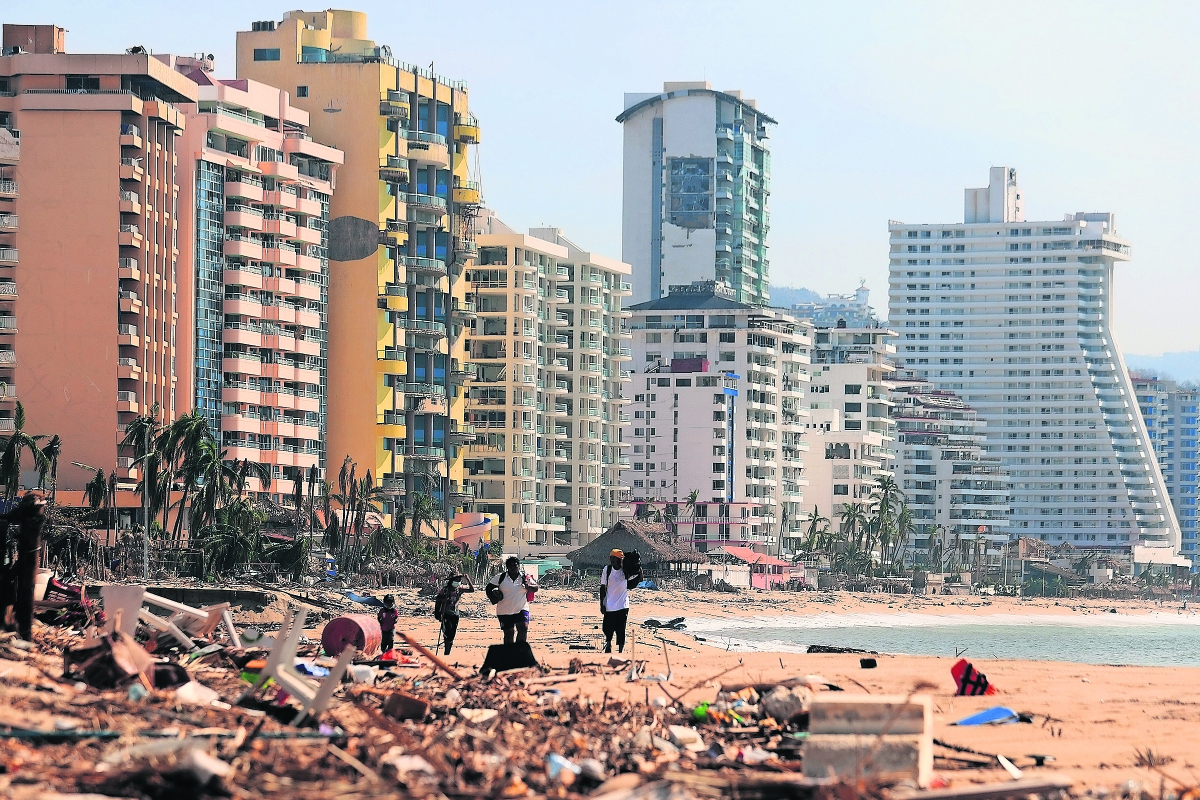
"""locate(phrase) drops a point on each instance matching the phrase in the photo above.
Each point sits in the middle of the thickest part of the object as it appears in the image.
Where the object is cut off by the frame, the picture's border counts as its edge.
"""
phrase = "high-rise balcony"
(8, 223)
(425, 453)
(426, 147)
(130, 236)
(391, 362)
(466, 130)
(425, 266)
(428, 202)
(8, 188)
(394, 169)
(244, 187)
(8, 257)
(131, 170)
(468, 193)
(127, 401)
(395, 105)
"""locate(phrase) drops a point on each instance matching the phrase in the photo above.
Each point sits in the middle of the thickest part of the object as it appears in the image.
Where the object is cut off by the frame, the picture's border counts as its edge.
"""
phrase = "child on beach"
(387, 623)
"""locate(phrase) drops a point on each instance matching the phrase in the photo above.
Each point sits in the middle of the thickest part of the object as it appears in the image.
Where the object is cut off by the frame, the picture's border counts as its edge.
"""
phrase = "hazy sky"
(886, 111)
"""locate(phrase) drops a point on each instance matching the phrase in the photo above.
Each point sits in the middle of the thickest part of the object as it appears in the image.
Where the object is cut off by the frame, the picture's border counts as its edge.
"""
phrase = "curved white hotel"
(1015, 317)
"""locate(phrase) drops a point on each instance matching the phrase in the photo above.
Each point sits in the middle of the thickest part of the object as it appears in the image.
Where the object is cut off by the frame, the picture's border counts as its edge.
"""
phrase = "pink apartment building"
(257, 189)
(89, 280)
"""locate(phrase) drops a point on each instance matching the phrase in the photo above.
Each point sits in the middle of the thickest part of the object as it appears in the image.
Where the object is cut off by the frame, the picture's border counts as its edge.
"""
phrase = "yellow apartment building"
(401, 233)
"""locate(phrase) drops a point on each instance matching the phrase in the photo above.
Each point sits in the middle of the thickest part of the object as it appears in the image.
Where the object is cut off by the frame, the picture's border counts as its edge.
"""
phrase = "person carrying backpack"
(445, 606)
(615, 583)
(511, 592)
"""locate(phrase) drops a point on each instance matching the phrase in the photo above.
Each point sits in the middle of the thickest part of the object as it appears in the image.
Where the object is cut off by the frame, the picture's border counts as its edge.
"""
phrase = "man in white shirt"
(614, 599)
(514, 589)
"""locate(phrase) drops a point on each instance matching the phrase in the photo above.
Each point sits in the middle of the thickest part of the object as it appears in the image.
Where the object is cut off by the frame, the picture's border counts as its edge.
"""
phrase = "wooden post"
(29, 515)
(423, 650)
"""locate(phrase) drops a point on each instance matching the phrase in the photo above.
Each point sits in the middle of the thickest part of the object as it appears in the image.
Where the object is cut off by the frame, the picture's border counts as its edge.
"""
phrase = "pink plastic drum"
(359, 630)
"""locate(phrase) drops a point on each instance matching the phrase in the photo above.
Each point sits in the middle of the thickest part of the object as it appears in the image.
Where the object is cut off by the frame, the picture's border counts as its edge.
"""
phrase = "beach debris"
(281, 667)
(1009, 768)
(402, 706)
(686, 738)
(676, 624)
(867, 663)
(997, 715)
(878, 737)
(970, 681)
(561, 769)
(361, 631)
(507, 657)
(478, 715)
(824, 648)
(784, 703)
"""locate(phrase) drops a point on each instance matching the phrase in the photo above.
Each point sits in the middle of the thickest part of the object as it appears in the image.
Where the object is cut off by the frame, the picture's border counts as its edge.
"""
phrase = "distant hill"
(787, 296)
(1183, 366)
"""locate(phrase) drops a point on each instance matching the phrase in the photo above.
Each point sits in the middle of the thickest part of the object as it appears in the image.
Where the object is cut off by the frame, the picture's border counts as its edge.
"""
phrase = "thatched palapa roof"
(651, 539)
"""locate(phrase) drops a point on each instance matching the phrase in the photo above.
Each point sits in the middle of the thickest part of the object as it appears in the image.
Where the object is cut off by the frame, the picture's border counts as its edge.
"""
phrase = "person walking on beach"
(387, 623)
(511, 591)
(445, 606)
(614, 599)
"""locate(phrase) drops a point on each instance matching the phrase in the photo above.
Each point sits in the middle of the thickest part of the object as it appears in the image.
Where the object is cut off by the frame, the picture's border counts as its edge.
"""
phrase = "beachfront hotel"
(1169, 411)
(252, 316)
(1015, 317)
(956, 492)
(547, 401)
(89, 279)
(718, 391)
(697, 173)
(401, 234)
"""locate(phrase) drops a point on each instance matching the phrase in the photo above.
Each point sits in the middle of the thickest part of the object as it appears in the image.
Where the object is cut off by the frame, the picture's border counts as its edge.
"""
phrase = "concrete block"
(887, 758)
(842, 713)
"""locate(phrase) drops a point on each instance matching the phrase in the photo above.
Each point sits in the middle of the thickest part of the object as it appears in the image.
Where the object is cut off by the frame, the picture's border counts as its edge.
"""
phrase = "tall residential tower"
(1015, 317)
(254, 243)
(88, 304)
(401, 232)
(697, 173)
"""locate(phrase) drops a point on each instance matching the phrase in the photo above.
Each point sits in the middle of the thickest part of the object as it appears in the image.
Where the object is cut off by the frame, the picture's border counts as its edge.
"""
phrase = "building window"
(841, 489)
(301, 91)
(266, 54)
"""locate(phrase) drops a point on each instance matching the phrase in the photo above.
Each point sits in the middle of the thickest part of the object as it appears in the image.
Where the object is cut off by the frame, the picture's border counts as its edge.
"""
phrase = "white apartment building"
(697, 173)
(546, 404)
(718, 405)
(955, 492)
(1015, 316)
(849, 430)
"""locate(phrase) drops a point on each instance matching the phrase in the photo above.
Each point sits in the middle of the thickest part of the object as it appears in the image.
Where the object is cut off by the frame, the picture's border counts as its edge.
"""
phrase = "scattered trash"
(867, 663)
(822, 648)
(999, 715)
(561, 769)
(672, 625)
(969, 680)
(402, 706)
(478, 715)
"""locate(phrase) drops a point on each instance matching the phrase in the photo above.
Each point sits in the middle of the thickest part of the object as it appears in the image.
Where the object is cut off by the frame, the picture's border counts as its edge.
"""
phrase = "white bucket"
(40, 581)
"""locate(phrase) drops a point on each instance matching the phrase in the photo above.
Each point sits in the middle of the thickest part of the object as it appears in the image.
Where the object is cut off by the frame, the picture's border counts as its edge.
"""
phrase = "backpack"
(441, 604)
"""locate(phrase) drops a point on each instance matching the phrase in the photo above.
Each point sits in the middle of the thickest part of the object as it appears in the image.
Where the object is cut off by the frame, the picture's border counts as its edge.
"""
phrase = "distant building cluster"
(300, 253)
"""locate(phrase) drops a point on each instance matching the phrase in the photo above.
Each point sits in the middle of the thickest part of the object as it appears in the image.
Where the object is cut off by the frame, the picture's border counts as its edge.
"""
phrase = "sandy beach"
(1092, 720)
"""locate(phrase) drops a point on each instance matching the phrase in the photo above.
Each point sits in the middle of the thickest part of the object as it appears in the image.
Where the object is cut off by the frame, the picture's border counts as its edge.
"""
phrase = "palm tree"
(138, 437)
(10, 458)
(236, 537)
(817, 525)
(250, 469)
(215, 488)
(96, 493)
(189, 446)
(854, 519)
(904, 528)
(51, 451)
(424, 511)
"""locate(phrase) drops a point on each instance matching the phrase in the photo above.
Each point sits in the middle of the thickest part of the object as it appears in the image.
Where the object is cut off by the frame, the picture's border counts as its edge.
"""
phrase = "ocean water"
(1157, 639)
